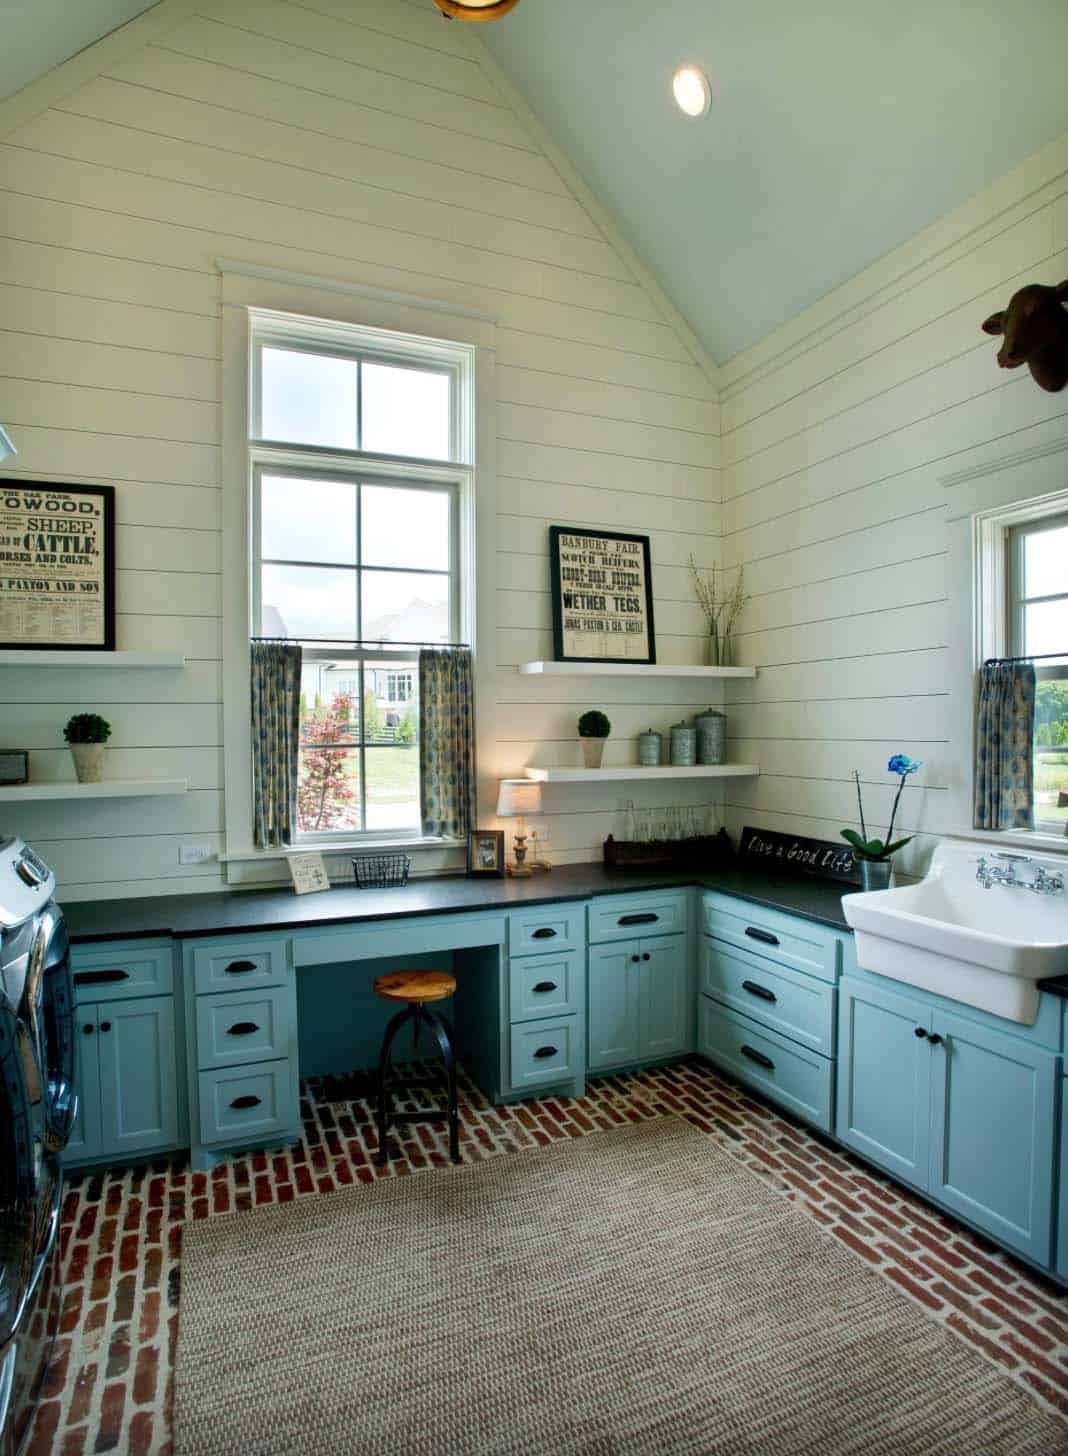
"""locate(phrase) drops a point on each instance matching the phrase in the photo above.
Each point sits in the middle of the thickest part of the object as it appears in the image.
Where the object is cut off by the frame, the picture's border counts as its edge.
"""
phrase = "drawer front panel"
(543, 1052)
(625, 917)
(244, 1027)
(112, 973)
(243, 1104)
(541, 986)
(800, 944)
(237, 966)
(548, 931)
(795, 1005)
(801, 1080)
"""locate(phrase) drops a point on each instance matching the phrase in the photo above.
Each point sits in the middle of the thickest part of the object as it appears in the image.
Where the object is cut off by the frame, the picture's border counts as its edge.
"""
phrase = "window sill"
(357, 846)
(1037, 839)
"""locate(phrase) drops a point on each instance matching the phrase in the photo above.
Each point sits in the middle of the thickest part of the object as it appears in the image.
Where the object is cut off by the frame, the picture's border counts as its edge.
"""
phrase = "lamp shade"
(6, 446)
(475, 9)
(518, 796)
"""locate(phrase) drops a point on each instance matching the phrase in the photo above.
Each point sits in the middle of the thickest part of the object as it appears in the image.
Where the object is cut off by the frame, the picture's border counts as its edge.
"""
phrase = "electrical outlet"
(190, 854)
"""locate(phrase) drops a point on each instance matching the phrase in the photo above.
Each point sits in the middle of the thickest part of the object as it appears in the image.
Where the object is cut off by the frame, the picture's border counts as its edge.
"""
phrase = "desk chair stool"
(416, 989)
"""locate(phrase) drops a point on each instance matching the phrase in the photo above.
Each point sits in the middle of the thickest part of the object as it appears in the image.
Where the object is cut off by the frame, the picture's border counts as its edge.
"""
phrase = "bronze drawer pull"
(242, 1028)
(761, 991)
(100, 978)
(546, 932)
(239, 968)
(764, 936)
(240, 1103)
(544, 986)
(546, 1051)
(758, 1057)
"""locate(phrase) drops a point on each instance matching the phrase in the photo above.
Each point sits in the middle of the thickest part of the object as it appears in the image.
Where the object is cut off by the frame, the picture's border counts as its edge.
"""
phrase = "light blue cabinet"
(640, 1001)
(665, 998)
(127, 1080)
(1062, 1227)
(884, 1078)
(962, 1112)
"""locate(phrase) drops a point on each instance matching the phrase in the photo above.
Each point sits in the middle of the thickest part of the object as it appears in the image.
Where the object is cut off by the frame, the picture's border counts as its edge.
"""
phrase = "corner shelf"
(595, 775)
(19, 657)
(105, 789)
(628, 669)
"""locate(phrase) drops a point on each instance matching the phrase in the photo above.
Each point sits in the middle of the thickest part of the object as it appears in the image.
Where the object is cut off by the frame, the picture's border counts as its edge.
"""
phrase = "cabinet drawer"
(622, 917)
(233, 965)
(112, 973)
(785, 938)
(544, 1052)
(551, 930)
(786, 1001)
(801, 1080)
(243, 1104)
(245, 1026)
(540, 986)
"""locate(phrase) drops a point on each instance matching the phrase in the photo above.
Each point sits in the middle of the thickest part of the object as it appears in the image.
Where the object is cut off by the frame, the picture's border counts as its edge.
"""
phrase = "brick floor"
(109, 1387)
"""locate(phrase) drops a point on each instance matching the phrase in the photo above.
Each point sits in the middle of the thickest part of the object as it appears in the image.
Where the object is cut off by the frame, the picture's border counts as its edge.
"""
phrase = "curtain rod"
(359, 642)
(1025, 657)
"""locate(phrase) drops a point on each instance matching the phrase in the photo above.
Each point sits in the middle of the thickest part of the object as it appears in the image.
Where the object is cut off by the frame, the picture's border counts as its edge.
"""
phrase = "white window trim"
(998, 490)
(248, 287)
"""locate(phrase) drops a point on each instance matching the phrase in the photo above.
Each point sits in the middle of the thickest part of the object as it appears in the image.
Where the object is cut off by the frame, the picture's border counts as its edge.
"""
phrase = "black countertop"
(230, 911)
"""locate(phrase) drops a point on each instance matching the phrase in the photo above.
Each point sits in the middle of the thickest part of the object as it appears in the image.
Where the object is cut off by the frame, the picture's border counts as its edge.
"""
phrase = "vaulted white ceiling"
(36, 35)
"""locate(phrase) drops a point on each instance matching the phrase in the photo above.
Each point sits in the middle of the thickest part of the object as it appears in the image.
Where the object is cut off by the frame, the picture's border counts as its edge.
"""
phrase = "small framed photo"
(485, 852)
(308, 873)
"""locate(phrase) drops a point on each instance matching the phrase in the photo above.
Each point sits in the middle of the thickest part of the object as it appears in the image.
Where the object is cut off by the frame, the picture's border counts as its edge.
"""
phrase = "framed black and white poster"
(57, 566)
(602, 591)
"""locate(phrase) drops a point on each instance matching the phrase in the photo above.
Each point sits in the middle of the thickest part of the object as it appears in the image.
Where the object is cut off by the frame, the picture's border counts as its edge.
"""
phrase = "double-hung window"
(360, 457)
(1037, 579)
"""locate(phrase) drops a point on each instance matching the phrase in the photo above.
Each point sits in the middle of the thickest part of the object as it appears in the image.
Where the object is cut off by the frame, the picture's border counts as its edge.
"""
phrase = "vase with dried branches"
(722, 606)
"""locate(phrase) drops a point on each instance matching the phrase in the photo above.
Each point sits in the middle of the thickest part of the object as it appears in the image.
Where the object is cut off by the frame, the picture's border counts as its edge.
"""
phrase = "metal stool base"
(441, 1031)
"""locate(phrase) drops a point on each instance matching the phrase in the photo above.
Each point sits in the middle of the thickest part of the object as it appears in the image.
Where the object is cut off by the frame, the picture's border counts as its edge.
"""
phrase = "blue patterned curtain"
(275, 741)
(1004, 746)
(446, 741)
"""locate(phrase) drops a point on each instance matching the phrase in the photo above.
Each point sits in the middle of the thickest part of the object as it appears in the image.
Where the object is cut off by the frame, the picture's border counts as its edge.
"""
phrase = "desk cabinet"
(127, 1080)
(639, 1001)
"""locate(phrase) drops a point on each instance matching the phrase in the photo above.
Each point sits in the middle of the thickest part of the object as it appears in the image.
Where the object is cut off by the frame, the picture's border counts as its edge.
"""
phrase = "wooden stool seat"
(415, 987)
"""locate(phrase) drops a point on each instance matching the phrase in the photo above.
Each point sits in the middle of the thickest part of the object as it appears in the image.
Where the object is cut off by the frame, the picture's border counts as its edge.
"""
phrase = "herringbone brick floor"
(109, 1387)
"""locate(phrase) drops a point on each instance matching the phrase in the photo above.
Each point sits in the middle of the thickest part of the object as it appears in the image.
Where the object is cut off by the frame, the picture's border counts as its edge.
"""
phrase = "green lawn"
(1051, 779)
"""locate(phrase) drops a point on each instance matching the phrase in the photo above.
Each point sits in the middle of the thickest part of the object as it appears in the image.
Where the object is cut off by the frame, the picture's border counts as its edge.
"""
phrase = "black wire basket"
(381, 871)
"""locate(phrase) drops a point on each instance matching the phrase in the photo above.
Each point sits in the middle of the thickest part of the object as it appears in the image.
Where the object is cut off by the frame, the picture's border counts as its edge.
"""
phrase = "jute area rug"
(630, 1293)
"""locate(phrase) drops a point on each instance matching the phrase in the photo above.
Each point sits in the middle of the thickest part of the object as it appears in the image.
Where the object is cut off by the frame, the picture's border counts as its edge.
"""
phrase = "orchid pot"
(874, 855)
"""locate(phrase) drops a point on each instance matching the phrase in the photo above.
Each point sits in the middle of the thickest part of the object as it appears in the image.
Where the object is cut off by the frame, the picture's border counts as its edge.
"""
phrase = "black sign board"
(795, 855)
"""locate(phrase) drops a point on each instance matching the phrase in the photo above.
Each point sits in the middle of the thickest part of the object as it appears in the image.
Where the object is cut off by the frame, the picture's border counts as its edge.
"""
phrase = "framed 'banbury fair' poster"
(57, 566)
(602, 592)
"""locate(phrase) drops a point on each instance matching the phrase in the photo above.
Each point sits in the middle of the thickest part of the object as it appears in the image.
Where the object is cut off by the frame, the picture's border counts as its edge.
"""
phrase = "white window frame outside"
(260, 303)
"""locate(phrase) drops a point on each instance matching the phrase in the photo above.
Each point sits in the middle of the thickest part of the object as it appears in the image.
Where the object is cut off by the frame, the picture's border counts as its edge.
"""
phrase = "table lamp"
(515, 800)
(6, 446)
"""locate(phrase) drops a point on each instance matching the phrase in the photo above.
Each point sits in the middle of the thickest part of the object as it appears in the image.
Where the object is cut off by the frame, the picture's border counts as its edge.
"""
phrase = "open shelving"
(667, 771)
(629, 669)
(105, 789)
(23, 657)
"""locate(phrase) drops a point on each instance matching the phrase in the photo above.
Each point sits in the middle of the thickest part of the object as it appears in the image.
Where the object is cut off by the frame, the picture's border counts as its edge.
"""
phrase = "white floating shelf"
(628, 669)
(593, 775)
(106, 789)
(19, 657)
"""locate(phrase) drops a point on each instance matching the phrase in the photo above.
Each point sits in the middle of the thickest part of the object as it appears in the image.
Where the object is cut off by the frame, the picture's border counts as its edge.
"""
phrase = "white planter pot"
(88, 761)
(592, 751)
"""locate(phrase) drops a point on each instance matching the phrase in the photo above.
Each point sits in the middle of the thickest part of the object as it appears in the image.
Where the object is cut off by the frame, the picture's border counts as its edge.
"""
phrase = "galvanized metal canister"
(683, 745)
(711, 728)
(650, 748)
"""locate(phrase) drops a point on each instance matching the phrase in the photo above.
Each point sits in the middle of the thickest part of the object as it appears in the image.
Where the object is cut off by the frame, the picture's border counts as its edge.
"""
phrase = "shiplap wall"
(836, 432)
(367, 142)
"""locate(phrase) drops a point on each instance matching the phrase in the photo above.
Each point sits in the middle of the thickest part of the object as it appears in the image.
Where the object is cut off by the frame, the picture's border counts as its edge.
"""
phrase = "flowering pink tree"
(325, 789)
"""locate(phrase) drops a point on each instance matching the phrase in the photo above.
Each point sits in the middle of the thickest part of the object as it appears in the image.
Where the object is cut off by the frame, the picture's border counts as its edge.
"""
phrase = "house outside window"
(1037, 585)
(359, 456)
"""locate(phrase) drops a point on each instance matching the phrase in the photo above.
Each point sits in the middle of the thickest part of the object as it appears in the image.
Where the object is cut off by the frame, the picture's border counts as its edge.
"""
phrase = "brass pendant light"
(475, 9)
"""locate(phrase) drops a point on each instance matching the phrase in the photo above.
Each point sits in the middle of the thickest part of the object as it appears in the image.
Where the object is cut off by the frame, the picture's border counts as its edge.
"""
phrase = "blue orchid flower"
(902, 764)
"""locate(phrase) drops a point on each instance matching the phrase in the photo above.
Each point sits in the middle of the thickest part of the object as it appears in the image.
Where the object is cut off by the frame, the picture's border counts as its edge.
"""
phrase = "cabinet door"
(884, 1079)
(614, 1004)
(992, 1133)
(85, 1141)
(1062, 1230)
(665, 999)
(138, 1081)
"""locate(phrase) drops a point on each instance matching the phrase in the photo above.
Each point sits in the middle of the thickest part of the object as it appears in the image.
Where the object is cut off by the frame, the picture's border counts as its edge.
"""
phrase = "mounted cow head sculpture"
(1035, 326)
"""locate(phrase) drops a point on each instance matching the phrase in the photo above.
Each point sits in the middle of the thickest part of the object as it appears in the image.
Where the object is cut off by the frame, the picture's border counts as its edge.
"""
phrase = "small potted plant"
(593, 729)
(876, 855)
(87, 733)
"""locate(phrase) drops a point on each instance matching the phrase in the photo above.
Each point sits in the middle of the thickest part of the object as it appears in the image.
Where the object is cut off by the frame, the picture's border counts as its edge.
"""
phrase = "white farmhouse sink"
(949, 934)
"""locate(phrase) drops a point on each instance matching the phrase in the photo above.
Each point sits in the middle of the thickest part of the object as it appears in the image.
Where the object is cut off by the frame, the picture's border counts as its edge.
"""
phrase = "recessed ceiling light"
(693, 94)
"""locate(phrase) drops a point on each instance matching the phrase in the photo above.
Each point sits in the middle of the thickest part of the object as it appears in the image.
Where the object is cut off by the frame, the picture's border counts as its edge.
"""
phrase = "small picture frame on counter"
(14, 766)
(308, 873)
(485, 853)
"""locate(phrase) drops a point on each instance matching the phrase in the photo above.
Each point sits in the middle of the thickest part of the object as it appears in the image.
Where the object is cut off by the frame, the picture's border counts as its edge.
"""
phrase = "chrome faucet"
(1043, 883)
